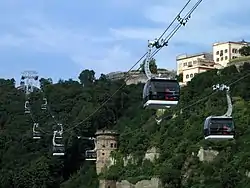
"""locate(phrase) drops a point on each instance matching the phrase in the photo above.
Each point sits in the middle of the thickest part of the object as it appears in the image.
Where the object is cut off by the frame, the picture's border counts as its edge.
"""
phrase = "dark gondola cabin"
(219, 128)
(161, 93)
(90, 155)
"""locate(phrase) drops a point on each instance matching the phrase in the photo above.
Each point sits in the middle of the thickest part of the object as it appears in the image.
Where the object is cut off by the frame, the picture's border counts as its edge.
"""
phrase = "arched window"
(187, 76)
(191, 75)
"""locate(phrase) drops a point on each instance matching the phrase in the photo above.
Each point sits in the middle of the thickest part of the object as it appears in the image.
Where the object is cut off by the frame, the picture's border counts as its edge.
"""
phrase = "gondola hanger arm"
(226, 88)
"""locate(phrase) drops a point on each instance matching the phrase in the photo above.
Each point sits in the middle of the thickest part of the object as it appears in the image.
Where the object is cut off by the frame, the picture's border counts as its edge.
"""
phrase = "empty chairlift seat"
(161, 93)
(58, 146)
(219, 128)
(44, 104)
(36, 132)
(27, 107)
(90, 155)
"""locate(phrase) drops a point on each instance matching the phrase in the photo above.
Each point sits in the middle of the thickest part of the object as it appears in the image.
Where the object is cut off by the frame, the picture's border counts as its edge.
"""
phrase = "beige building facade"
(199, 66)
(106, 142)
(223, 52)
(187, 61)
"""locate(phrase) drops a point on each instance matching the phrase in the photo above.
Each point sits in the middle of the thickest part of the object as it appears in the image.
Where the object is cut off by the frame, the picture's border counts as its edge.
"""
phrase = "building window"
(111, 145)
(187, 76)
(103, 153)
(103, 145)
(185, 64)
(195, 74)
(115, 145)
(221, 58)
(221, 53)
(217, 53)
(225, 57)
(218, 59)
(234, 57)
(191, 75)
(234, 50)
(225, 50)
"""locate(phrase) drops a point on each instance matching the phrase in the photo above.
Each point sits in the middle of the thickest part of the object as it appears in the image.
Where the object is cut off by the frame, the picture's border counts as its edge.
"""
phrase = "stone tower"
(106, 142)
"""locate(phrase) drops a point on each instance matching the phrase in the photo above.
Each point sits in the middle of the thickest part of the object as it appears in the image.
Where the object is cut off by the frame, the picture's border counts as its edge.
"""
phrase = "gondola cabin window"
(164, 90)
(160, 93)
(221, 126)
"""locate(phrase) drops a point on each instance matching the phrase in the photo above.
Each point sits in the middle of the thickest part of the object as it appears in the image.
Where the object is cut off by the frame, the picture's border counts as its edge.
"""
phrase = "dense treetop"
(29, 163)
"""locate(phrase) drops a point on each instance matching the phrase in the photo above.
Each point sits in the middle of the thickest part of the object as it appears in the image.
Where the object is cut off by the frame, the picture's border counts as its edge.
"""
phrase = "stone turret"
(106, 142)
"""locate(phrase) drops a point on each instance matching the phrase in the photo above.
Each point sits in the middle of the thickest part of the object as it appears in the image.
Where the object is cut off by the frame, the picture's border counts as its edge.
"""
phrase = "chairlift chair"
(90, 155)
(27, 107)
(44, 105)
(36, 133)
(58, 146)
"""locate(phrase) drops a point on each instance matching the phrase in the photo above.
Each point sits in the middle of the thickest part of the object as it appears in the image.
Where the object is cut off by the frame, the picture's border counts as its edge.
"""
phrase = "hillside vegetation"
(29, 163)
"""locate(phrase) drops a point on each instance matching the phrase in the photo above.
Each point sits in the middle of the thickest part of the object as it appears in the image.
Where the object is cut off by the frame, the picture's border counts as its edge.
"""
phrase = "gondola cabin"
(161, 93)
(90, 155)
(219, 128)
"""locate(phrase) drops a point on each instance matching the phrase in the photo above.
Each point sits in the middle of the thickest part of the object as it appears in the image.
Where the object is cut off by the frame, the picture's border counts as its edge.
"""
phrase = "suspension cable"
(177, 27)
(173, 20)
(127, 73)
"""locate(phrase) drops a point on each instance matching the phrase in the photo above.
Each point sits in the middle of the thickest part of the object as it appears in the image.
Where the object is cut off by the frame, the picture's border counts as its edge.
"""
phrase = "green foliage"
(245, 51)
(179, 77)
(87, 77)
(29, 163)
(240, 59)
(178, 138)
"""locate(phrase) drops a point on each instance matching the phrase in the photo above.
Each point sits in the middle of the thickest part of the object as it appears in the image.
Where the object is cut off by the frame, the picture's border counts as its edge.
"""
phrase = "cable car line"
(154, 83)
(177, 16)
(220, 127)
(57, 139)
(105, 102)
(181, 23)
(126, 75)
(168, 117)
(153, 94)
(28, 85)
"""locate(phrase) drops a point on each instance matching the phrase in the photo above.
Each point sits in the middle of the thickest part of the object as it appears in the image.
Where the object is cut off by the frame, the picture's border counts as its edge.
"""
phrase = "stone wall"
(207, 155)
(152, 183)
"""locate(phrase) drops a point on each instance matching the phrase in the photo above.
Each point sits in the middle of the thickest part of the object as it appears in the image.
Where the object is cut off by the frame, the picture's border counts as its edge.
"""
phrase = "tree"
(9, 82)
(103, 78)
(244, 51)
(179, 77)
(44, 82)
(152, 66)
(25, 162)
(87, 77)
